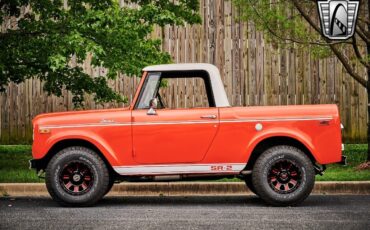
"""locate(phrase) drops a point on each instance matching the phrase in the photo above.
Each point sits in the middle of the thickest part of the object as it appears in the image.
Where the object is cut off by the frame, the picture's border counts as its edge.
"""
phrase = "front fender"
(86, 135)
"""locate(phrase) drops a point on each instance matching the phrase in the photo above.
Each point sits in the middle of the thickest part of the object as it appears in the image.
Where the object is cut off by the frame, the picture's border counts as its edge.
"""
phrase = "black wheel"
(77, 176)
(248, 182)
(283, 176)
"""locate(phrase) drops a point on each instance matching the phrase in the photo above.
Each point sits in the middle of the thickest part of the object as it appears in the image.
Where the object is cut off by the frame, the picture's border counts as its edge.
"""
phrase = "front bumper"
(35, 164)
(32, 164)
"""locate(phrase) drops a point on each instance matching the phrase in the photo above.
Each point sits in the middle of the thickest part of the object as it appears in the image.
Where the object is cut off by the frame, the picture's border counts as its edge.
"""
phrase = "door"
(173, 136)
(174, 132)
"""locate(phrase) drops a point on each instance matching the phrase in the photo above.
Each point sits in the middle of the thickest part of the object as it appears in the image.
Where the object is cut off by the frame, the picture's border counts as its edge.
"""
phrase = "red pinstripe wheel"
(284, 177)
(76, 178)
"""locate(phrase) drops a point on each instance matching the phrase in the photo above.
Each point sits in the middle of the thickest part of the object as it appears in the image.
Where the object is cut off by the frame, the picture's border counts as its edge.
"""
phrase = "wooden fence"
(254, 73)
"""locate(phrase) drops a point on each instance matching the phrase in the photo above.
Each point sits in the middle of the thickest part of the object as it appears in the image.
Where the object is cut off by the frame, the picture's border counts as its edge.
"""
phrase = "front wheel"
(283, 176)
(77, 176)
(110, 185)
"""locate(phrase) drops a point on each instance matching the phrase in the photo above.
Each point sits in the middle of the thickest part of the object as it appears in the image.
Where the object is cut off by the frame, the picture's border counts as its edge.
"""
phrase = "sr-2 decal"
(221, 167)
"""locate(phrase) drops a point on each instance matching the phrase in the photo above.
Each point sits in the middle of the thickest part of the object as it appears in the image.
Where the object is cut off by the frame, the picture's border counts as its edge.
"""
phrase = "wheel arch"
(269, 142)
(65, 143)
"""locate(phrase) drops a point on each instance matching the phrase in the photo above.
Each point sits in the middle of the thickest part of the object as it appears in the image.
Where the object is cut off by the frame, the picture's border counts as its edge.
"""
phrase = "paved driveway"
(197, 212)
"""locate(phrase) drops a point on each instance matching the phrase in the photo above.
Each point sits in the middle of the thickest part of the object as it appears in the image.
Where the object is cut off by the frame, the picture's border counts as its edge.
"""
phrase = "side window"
(182, 92)
(177, 90)
(149, 91)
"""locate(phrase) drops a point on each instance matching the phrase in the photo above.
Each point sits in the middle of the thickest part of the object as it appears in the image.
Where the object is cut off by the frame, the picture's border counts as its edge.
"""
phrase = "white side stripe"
(83, 125)
(180, 169)
(190, 122)
(174, 123)
(277, 119)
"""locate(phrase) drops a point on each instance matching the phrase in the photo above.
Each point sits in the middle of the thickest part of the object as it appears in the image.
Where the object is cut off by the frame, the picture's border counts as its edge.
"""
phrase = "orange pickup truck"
(276, 150)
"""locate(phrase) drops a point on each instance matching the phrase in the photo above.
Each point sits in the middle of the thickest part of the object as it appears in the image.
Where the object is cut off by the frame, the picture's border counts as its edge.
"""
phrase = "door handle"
(208, 116)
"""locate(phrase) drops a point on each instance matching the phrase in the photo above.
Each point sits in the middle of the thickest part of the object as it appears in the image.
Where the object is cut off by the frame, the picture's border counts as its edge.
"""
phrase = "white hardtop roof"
(182, 66)
(214, 75)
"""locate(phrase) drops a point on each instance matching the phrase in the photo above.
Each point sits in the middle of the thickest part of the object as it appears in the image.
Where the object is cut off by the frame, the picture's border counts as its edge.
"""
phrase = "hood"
(81, 117)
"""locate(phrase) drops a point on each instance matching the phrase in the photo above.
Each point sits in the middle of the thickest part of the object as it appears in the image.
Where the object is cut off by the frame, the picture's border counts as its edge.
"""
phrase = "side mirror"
(153, 103)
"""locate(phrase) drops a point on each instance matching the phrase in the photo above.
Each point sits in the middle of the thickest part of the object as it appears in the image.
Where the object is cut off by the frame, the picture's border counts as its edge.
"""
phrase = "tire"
(76, 176)
(110, 184)
(249, 183)
(283, 176)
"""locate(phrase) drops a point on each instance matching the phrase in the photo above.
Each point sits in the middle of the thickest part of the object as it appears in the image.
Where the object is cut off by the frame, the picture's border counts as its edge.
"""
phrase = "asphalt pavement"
(194, 212)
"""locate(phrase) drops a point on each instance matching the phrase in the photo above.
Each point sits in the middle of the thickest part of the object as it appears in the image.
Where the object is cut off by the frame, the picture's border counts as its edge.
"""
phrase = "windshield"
(149, 91)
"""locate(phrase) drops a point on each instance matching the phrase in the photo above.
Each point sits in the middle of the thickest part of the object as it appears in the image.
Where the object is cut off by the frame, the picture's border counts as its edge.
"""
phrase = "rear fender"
(283, 132)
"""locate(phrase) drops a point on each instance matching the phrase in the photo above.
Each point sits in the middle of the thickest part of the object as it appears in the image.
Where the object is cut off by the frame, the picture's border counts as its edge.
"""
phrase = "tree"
(44, 36)
(296, 22)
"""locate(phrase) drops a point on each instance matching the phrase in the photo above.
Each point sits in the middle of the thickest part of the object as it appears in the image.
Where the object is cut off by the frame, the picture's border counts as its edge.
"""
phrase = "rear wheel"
(77, 176)
(283, 175)
(249, 183)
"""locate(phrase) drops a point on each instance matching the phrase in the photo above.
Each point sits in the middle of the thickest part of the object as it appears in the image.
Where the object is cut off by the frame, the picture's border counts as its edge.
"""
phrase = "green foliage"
(356, 154)
(283, 25)
(15, 149)
(52, 39)
(14, 166)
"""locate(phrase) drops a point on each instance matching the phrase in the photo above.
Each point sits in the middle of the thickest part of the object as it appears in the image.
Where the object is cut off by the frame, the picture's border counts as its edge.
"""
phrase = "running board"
(164, 178)
(246, 172)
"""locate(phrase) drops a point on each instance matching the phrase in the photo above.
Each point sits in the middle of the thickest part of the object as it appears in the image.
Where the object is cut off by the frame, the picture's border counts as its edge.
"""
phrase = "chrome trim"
(208, 116)
(107, 121)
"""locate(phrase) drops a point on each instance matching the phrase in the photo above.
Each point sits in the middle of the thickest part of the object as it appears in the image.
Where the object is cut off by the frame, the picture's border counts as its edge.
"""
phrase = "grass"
(14, 165)
(356, 154)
